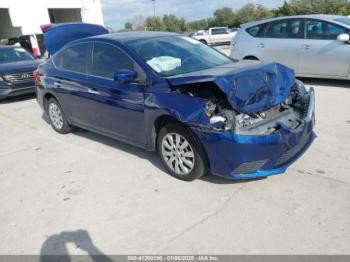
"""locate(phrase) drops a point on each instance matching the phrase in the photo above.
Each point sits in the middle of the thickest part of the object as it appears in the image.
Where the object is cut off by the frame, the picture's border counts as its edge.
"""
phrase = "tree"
(225, 17)
(154, 23)
(197, 25)
(173, 24)
(128, 26)
(251, 12)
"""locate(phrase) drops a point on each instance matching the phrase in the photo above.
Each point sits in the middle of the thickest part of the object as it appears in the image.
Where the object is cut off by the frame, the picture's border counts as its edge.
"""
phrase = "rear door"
(70, 82)
(282, 42)
(322, 53)
(116, 109)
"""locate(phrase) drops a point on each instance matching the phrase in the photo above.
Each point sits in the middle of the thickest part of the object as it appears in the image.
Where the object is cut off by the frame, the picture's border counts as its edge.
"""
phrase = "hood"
(58, 35)
(250, 87)
(22, 66)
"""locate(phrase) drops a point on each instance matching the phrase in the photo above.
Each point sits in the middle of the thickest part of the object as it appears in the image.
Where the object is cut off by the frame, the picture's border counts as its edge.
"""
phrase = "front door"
(116, 109)
(322, 53)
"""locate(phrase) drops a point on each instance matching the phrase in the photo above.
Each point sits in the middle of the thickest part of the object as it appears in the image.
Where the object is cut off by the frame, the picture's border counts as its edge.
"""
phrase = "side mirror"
(343, 37)
(125, 76)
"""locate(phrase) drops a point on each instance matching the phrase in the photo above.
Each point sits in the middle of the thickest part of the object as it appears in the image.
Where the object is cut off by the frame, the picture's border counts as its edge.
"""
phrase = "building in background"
(20, 20)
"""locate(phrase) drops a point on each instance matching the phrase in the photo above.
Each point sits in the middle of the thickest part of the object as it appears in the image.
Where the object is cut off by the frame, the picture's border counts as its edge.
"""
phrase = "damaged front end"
(290, 113)
(243, 141)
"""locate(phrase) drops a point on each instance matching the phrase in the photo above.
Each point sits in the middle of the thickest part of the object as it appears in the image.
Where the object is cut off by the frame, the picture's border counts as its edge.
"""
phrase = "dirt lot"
(83, 193)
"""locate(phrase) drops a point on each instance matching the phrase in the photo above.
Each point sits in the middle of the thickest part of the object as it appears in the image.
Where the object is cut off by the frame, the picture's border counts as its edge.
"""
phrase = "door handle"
(261, 45)
(307, 46)
(93, 91)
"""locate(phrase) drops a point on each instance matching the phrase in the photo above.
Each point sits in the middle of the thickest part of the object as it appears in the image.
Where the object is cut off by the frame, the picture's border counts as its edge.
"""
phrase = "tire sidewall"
(199, 163)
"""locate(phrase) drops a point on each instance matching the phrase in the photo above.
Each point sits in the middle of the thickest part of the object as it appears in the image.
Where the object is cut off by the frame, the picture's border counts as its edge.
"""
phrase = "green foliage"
(301, 7)
(227, 17)
(154, 23)
(173, 24)
(128, 26)
(251, 12)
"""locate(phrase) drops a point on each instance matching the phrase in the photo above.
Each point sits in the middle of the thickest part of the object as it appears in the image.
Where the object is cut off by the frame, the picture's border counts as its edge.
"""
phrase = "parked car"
(313, 45)
(215, 35)
(16, 71)
(200, 110)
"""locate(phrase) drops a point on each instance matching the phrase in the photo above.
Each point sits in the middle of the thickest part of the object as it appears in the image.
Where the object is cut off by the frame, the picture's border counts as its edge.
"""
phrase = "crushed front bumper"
(248, 157)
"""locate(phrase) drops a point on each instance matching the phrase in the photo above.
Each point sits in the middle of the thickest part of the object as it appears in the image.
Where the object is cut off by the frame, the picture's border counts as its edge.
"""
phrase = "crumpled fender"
(186, 109)
(249, 87)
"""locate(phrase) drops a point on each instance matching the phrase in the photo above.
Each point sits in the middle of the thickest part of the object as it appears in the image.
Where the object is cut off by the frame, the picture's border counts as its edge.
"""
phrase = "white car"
(313, 45)
(215, 35)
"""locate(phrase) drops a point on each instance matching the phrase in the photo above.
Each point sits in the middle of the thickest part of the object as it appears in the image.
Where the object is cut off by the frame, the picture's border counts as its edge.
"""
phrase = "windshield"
(343, 20)
(8, 55)
(175, 55)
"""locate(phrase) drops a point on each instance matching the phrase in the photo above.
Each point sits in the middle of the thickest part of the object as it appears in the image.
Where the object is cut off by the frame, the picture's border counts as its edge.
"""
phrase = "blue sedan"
(199, 109)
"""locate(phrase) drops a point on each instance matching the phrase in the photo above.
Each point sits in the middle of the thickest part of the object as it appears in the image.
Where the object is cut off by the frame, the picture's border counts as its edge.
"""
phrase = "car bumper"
(16, 91)
(249, 157)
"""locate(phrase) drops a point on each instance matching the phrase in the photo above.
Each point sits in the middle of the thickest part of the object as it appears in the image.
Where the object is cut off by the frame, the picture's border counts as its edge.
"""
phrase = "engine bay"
(222, 117)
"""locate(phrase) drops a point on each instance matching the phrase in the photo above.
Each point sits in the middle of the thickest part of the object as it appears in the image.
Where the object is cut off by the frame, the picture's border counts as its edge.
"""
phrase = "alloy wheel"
(56, 115)
(177, 154)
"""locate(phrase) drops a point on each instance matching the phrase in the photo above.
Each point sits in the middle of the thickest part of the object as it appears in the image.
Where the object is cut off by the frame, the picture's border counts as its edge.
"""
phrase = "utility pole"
(154, 8)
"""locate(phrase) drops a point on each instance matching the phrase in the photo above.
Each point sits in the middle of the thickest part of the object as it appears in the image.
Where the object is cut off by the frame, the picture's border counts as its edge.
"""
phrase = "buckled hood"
(250, 87)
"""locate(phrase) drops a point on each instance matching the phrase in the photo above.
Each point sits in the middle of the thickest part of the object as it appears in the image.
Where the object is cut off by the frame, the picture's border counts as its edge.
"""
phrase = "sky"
(117, 12)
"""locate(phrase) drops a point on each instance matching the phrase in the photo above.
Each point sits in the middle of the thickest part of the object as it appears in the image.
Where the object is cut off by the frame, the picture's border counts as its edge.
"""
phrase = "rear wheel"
(180, 153)
(57, 119)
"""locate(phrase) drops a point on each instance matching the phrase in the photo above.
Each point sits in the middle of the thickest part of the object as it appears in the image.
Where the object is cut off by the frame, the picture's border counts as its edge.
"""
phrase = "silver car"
(313, 45)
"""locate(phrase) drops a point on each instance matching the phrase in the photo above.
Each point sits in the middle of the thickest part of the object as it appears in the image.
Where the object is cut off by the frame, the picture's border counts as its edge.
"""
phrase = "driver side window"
(107, 60)
(322, 30)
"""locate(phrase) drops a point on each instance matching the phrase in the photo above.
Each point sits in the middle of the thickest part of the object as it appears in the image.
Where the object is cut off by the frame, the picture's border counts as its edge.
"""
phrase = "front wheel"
(180, 153)
(57, 119)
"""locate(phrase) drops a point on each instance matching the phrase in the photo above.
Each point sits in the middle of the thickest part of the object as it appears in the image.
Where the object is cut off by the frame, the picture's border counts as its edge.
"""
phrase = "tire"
(57, 118)
(203, 41)
(187, 168)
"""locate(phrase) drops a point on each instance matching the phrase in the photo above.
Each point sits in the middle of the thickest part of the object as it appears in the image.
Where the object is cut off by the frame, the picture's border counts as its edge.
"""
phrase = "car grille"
(19, 77)
(249, 167)
(291, 153)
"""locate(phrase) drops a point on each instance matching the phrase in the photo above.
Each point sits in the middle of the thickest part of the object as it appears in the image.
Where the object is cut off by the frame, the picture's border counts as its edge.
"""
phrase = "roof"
(126, 37)
(315, 16)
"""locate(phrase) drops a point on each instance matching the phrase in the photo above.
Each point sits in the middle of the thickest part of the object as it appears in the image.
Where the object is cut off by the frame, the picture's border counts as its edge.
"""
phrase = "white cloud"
(117, 12)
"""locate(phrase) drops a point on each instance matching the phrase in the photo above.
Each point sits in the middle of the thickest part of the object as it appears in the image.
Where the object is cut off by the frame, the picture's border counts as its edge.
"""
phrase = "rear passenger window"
(277, 30)
(107, 60)
(291, 28)
(74, 58)
(254, 31)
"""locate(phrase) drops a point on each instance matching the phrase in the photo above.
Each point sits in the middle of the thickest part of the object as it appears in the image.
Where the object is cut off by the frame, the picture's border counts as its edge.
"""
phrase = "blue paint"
(128, 110)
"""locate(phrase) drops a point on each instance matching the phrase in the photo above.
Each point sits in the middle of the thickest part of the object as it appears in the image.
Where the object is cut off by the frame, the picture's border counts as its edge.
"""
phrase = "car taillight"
(36, 75)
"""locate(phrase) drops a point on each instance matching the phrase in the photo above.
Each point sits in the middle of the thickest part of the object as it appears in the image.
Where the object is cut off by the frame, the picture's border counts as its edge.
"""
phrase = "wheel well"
(46, 99)
(250, 57)
(203, 41)
(165, 119)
